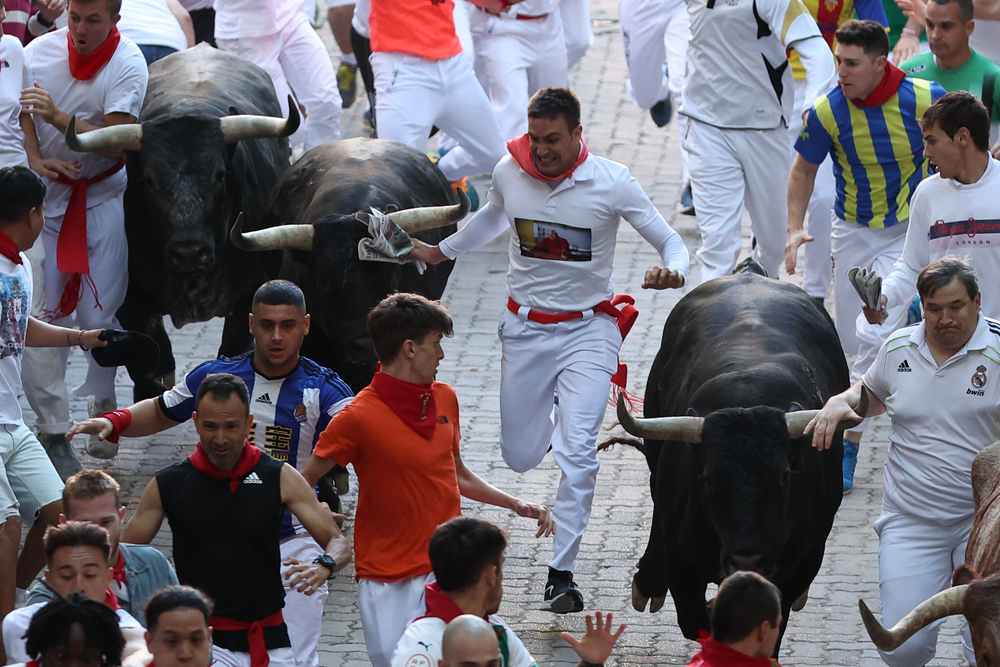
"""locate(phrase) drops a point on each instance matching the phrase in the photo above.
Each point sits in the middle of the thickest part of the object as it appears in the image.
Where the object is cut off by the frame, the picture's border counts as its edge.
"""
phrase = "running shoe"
(561, 593)
(850, 463)
(347, 82)
(662, 111)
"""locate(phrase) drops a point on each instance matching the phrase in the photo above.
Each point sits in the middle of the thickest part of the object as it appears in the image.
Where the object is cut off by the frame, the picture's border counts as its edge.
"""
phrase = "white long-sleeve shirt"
(563, 245)
(947, 217)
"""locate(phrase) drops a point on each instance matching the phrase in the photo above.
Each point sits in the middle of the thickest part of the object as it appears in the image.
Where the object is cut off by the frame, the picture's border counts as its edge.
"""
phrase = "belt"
(525, 17)
(625, 317)
(519, 17)
(255, 634)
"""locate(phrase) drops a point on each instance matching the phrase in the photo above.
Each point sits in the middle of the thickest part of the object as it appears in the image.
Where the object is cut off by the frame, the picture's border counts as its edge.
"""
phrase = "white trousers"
(386, 609)
(107, 252)
(875, 249)
(576, 26)
(223, 657)
(554, 386)
(516, 58)
(44, 384)
(730, 169)
(297, 62)
(412, 94)
(303, 613)
(818, 269)
(915, 561)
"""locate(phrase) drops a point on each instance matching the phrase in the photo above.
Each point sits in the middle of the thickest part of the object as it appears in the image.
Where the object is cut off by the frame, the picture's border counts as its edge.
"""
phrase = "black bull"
(312, 218)
(738, 490)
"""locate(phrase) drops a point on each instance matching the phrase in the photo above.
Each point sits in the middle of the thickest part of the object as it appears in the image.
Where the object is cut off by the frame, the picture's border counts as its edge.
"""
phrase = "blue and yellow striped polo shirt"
(878, 152)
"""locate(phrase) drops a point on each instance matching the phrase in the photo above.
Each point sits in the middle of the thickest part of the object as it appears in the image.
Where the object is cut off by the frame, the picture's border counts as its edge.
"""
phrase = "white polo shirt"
(14, 77)
(420, 645)
(941, 418)
(947, 217)
(563, 247)
(16, 623)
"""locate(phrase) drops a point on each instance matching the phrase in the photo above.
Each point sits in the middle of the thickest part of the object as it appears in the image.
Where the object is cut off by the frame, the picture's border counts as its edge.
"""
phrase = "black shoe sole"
(564, 604)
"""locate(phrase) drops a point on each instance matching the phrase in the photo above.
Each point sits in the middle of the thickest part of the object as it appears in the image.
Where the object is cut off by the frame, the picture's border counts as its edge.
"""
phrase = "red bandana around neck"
(248, 459)
(439, 605)
(119, 569)
(718, 654)
(111, 600)
(85, 67)
(9, 249)
(412, 402)
(886, 88)
(520, 149)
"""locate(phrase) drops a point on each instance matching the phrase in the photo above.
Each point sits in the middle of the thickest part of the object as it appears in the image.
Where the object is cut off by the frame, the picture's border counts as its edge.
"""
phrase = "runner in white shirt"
(276, 35)
(561, 333)
(739, 94)
(579, 33)
(99, 77)
(158, 27)
(14, 77)
(954, 210)
(934, 380)
(518, 52)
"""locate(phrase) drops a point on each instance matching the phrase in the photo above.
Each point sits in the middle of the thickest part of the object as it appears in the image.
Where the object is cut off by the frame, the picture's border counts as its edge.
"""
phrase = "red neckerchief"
(111, 600)
(886, 88)
(255, 633)
(9, 249)
(520, 149)
(34, 663)
(248, 459)
(439, 605)
(85, 67)
(717, 654)
(412, 402)
(119, 570)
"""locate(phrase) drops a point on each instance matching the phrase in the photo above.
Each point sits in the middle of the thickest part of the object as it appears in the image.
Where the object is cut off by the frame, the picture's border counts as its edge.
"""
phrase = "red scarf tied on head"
(886, 88)
(520, 149)
(248, 459)
(412, 402)
(85, 67)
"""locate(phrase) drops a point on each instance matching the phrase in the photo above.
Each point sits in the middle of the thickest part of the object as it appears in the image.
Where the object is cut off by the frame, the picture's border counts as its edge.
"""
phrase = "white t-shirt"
(151, 23)
(736, 47)
(562, 250)
(15, 624)
(15, 76)
(15, 306)
(118, 87)
(941, 418)
(360, 19)
(947, 217)
(420, 645)
(236, 19)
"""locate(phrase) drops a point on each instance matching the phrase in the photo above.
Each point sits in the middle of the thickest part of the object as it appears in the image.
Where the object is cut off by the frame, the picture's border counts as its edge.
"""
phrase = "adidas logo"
(252, 478)
(265, 399)
(904, 367)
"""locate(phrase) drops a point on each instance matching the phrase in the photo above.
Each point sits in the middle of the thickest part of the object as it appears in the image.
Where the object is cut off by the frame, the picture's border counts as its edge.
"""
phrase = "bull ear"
(795, 407)
(233, 111)
(964, 574)
(691, 412)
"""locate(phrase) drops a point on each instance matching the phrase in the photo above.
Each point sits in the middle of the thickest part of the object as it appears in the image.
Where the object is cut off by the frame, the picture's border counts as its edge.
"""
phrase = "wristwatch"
(329, 563)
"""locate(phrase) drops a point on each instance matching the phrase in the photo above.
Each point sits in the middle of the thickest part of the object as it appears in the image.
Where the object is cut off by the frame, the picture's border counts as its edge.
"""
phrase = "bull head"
(688, 429)
(300, 237)
(128, 137)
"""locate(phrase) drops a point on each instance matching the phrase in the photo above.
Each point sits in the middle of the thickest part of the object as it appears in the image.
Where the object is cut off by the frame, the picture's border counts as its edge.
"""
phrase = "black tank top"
(226, 543)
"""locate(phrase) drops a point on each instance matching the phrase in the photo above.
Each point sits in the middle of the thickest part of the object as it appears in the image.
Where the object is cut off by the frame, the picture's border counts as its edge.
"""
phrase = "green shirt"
(970, 77)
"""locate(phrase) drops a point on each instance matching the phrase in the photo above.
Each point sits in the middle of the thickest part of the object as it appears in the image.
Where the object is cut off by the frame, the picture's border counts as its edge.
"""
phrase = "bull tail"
(631, 442)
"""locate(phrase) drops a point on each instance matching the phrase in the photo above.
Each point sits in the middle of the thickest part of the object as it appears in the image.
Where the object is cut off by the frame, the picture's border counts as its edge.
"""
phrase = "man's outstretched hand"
(595, 646)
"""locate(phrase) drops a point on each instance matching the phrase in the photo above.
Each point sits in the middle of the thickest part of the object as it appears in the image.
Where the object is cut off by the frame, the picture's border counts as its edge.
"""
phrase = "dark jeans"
(153, 52)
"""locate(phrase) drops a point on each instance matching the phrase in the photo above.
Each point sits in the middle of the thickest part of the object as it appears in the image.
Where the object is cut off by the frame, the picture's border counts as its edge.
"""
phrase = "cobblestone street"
(827, 632)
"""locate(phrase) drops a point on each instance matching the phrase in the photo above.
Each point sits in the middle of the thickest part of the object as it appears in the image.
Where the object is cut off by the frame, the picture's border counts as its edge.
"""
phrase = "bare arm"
(51, 167)
(147, 519)
(147, 418)
(800, 187)
(301, 501)
(43, 334)
(182, 16)
(842, 407)
(473, 487)
(316, 467)
(135, 653)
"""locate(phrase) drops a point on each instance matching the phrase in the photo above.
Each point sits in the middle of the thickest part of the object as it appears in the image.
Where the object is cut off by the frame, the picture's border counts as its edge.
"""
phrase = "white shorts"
(386, 609)
(28, 481)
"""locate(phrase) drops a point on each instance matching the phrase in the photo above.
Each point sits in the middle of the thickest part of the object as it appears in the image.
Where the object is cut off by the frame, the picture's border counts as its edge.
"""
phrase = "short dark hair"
(51, 625)
(114, 6)
(176, 597)
(956, 110)
(966, 9)
(942, 271)
(403, 316)
(280, 293)
(869, 35)
(462, 548)
(744, 601)
(76, 534)
(88, 484)
(550, 103)
(221, 386)
(20, 191)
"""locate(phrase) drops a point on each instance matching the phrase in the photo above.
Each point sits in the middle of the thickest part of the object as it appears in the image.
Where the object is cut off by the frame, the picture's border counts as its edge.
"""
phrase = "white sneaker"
(101, 449)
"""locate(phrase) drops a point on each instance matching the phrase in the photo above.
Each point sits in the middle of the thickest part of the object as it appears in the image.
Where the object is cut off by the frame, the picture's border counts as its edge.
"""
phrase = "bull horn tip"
(465, 201)
(624, 417)
(293, 117)
(71, 139)
(236, 233)
(881, 637)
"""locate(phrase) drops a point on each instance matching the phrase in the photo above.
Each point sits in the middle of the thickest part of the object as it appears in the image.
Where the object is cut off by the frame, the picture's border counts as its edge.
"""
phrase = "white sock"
(349, 59)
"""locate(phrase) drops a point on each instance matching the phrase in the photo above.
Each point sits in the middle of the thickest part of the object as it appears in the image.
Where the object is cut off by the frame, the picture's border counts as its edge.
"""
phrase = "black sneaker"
(662, 111)
(347, 82)
(561, 594)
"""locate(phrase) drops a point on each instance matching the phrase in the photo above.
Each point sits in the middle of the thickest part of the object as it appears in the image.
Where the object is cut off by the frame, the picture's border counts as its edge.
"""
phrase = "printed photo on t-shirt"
(13, 314)
(553, 240)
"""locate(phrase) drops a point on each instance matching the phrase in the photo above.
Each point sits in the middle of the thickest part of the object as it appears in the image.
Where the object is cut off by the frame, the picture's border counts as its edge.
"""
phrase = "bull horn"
(797, 421)
(413, 220)
(292, 237)
(125, 137)
(946, 603)
(238, 128)
(683, 429)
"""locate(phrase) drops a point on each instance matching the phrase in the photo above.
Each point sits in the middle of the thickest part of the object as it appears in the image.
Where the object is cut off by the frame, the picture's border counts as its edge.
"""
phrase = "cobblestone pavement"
(827, 631)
